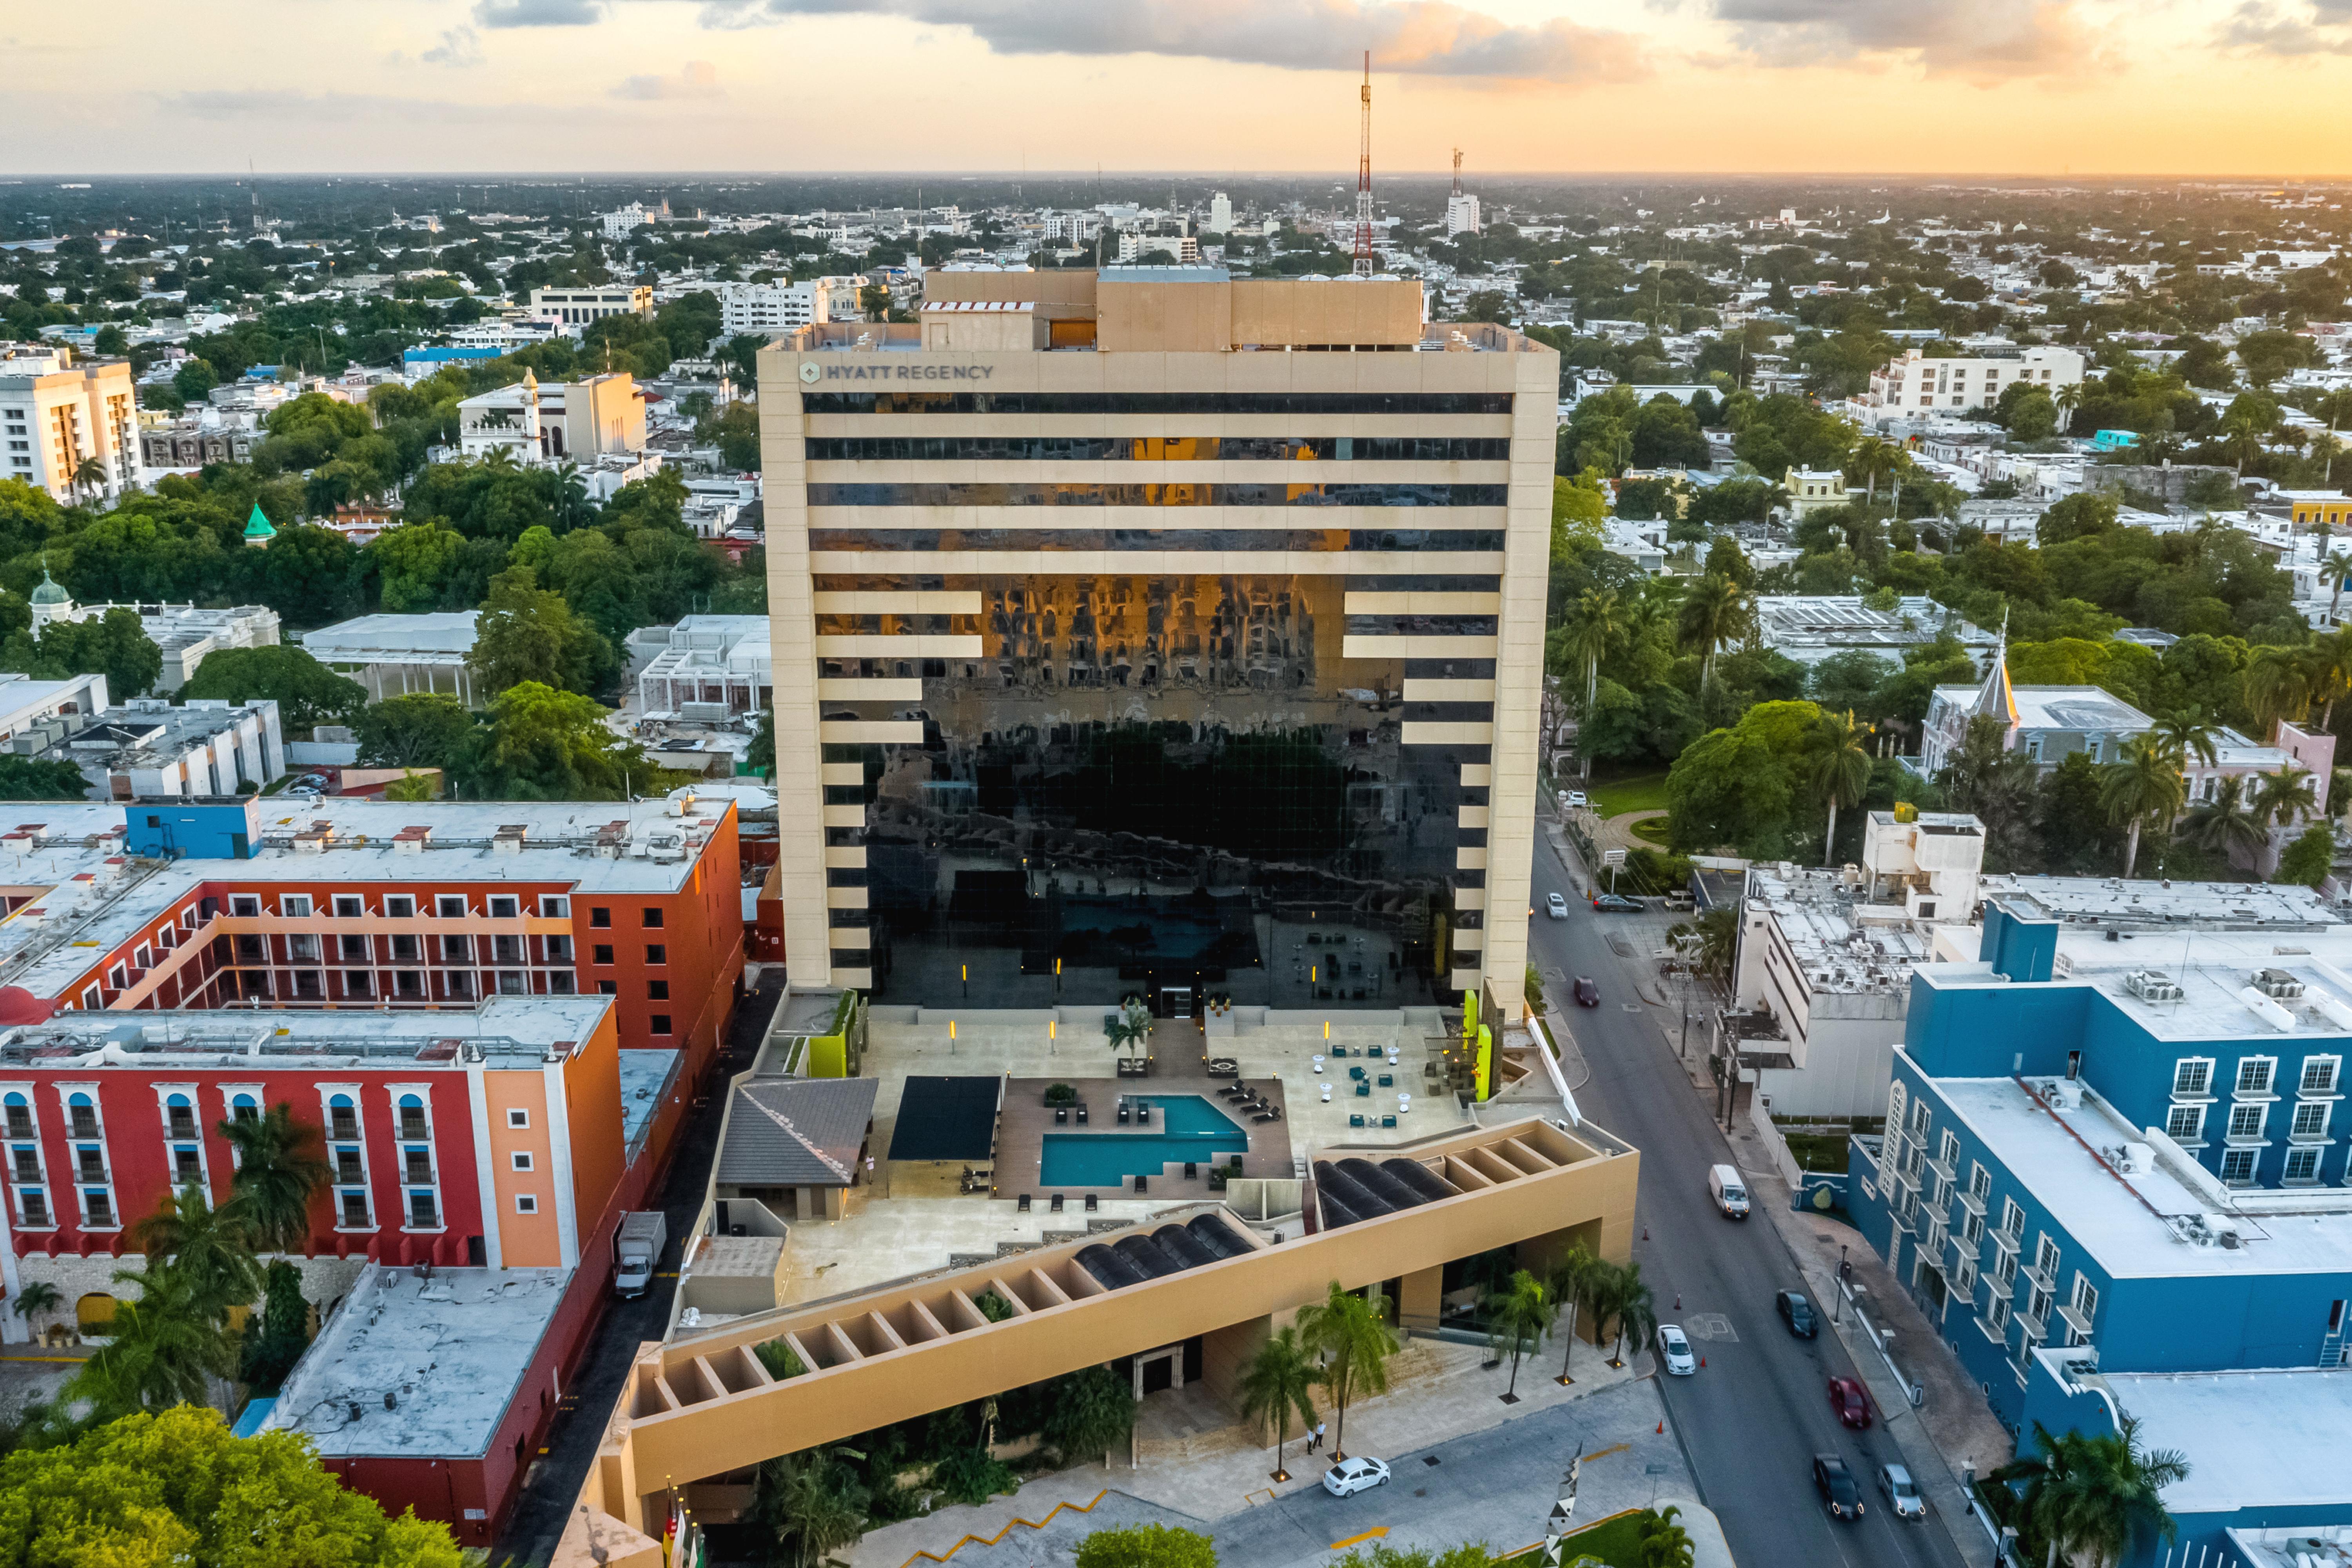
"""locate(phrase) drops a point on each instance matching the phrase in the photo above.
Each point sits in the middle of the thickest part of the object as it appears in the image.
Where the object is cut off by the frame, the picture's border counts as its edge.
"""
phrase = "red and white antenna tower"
(1365, 259)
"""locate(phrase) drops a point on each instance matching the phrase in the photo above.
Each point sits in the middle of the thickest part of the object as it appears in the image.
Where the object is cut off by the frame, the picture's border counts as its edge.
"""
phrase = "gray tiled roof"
(796, 1133)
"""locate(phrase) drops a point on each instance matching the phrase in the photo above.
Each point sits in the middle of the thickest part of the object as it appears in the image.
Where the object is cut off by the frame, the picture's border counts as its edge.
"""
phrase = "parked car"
(1851, 1403)
(1616, 904)
(1576, 797)
(679, 744)
(1675, 1352)
(1587, 994)
(315, 783)
(1835, 1483)
(1902, 1494)
(1797, 1313)
(1556, 906)
(1358, 1474)
(1729, 1192)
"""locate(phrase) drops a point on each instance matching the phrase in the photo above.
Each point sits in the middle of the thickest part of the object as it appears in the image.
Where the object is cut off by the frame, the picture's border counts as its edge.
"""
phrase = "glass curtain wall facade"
(1121, 678)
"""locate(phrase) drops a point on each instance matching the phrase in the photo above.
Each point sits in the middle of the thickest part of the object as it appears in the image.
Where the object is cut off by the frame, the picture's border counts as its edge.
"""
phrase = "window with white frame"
(294, 906)
(1920, 1117)
(2311, 1119)
(2246, 1121)
(450, 905)
(2254, 1074)
(526, 1202)
(2238, 1166)
(1997, 1316)
(2184, 1123)
(2004, 1266)
(2303, 1164)
(2012, 1216)
(245, 903)
(522, 1158)
(1979, 1182)
(2191, 1075)
(399, 906)
(554, 907)
(349, 906)
(2319, 1075)
(2045, 1257)
(505, 907)
(1973, 1229)
(516, 1117)
(1948, 1152)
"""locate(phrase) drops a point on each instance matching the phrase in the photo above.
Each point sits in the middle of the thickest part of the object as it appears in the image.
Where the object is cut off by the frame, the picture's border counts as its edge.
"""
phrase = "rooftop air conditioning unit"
(2152, 986)
(2278, 984)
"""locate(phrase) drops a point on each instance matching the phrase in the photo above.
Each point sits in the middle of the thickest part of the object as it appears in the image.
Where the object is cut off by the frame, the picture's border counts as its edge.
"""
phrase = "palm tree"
(2144, 785)
(1351, 1333)
(2280, 800)
(89, 475)
(2092, 1494)
(277, 1175)
(1633, 1307)
(1573, 1280)
(1599, 625)
(1711, 615)
(2188, 735)
(2242, 434)
(161, 1350)
(1872, 458)
(1277, 1382)
(2333, 571)
(2278, 686)
(2327, 670)
(1664, 1543)
(2325, 448)
(37, 1298)
(2068, 399)
(1127, 1028)
(1518, 1319)
(1840, 771)
(2222, 824)
(794, 1501)
(208, 1251)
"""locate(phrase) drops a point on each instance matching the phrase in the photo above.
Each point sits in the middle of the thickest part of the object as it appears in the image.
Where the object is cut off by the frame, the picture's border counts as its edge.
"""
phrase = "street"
(1754, 1417)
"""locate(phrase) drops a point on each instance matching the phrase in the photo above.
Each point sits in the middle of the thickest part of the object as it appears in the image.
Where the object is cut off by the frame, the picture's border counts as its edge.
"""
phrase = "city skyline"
(2029, 87)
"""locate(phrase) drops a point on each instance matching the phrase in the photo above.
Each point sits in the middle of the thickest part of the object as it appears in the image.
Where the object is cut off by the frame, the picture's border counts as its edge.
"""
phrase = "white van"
(1730, 1193)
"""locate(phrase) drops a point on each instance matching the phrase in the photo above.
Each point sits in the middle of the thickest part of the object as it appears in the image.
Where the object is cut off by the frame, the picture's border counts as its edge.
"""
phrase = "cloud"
(269, 104)
(538, 13)
(459, 46)
(2260, 28)
(1983, 40)
(1423, 38)
(700, 79)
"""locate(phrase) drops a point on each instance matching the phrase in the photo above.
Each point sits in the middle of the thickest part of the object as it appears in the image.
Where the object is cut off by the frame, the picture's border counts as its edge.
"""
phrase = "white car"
(1576, 797)
(1356, 1475)
(1675, 1352)
(1902, 1493)
(1557, 906)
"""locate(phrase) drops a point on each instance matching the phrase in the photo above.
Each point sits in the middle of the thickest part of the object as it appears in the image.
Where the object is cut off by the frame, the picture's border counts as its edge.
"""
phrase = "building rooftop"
(1843, 942)
(646, 1076)
(947, 1119)
(443, 638)
(2141, 1207)
(504, 1031)
(806, 1132)
(1810, 628)
(2255, 1439)
(2086, 708)
(418, 1365)
(2105, 901)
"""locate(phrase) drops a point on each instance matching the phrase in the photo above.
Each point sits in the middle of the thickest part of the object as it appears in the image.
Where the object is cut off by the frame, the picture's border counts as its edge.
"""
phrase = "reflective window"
(1156, 403)
(1077, 494)
(1156, 449)
(1190, 539)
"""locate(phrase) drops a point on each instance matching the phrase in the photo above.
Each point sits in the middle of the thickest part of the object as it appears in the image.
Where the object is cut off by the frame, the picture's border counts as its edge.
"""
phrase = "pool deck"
(1022, 1129)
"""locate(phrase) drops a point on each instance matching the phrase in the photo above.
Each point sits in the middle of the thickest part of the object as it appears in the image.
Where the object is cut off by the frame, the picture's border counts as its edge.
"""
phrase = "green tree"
(1578, 507)
(544, 744)
(1737, 787)
(803, 1508)
(310, 575)
(2088, 1496)
(1630, 1307)
(208, 1251)
(1094, 1410)
(420, 730)
(113, 645)
(526, 634)
(2222, 824)
(1714, 613)
(163, 1348)
(2080, 516)
(307, 692)
(193, 380)
(29, 778)
(37, 1296)
(1275, 1383)
(1147, 1546)
(1572, 1282)
(417, 565)
(1351, 1334)
(1664, 1543)
(285, 1333)
(1840, 770)
(175, 1487)
(2144, 785)
(2000, 787)
(279, 1170)
(1517, 1319)
(2308, 859)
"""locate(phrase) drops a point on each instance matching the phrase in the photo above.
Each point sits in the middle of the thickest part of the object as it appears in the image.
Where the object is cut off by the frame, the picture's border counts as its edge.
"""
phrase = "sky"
(1897, 87)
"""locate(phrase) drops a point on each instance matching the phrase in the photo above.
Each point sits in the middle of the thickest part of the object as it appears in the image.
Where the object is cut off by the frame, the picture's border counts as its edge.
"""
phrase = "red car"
(1851, 1404)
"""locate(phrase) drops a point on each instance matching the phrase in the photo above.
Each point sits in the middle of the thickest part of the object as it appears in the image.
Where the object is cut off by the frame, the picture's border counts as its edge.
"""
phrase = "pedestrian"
(1318, 1435)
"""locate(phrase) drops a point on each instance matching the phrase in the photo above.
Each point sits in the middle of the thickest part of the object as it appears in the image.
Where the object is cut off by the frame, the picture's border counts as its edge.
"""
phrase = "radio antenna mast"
(1364, 258)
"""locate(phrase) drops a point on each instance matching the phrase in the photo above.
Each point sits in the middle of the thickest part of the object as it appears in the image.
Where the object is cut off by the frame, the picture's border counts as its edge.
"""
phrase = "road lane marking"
(1372, 1534)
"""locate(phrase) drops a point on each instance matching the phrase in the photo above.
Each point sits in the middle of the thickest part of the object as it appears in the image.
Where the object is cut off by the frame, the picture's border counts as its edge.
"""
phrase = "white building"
(1811, 628)
(1133, 246)
(184, 634)
(576, 307)
(620, 221)
(1812, 490)
(148, 747)
(775, 306)
(396, 656)
(1220, 214)
(714, 666)
(26, 703)
(1955, 385)
(57, 415)
(567, 422)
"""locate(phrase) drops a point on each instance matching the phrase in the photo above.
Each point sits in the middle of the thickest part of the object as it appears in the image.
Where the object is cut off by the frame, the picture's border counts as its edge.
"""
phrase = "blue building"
(2113, 1170)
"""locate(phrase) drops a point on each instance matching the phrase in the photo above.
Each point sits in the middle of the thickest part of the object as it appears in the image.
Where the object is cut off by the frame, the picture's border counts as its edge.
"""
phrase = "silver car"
(1902, 1495)
(1358, 1474)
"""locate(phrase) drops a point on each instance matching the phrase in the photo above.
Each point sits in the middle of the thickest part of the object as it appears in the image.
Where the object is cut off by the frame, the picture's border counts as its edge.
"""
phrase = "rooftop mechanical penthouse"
(1154, 631)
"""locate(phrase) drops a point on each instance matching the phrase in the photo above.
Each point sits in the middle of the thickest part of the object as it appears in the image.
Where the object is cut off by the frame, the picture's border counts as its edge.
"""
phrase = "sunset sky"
(2191, 87)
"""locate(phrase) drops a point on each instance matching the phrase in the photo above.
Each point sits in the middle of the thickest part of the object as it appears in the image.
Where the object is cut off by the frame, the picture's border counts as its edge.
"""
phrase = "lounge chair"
(1355, 1121)
(1191, 1170)
(1388, 1080)
(1141, 1181)
(1061, 1115)
(1021, 1207)
(1055, 1206)
(1090, 1202)
(1264, 1116)
(1364, 1090)
(1122, 1114)
(1143, 1113)
(1082, 1116)
(1387, 1122)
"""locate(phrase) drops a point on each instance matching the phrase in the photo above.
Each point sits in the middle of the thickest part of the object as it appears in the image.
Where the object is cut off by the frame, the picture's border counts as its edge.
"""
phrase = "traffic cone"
(1702, 1361)
(1678, 1302)
(1661, 1428)
(1645, 1233)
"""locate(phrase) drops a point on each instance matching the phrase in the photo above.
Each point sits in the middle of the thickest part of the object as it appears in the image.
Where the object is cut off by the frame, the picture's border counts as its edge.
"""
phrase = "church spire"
(1995, 699)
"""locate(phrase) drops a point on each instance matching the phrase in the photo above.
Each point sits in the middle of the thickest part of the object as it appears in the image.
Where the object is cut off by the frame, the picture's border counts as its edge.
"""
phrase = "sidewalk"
(1953, 1427)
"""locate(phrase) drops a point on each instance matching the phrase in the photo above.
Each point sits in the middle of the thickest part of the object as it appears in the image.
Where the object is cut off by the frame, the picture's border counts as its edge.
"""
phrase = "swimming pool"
(1190, 1127)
